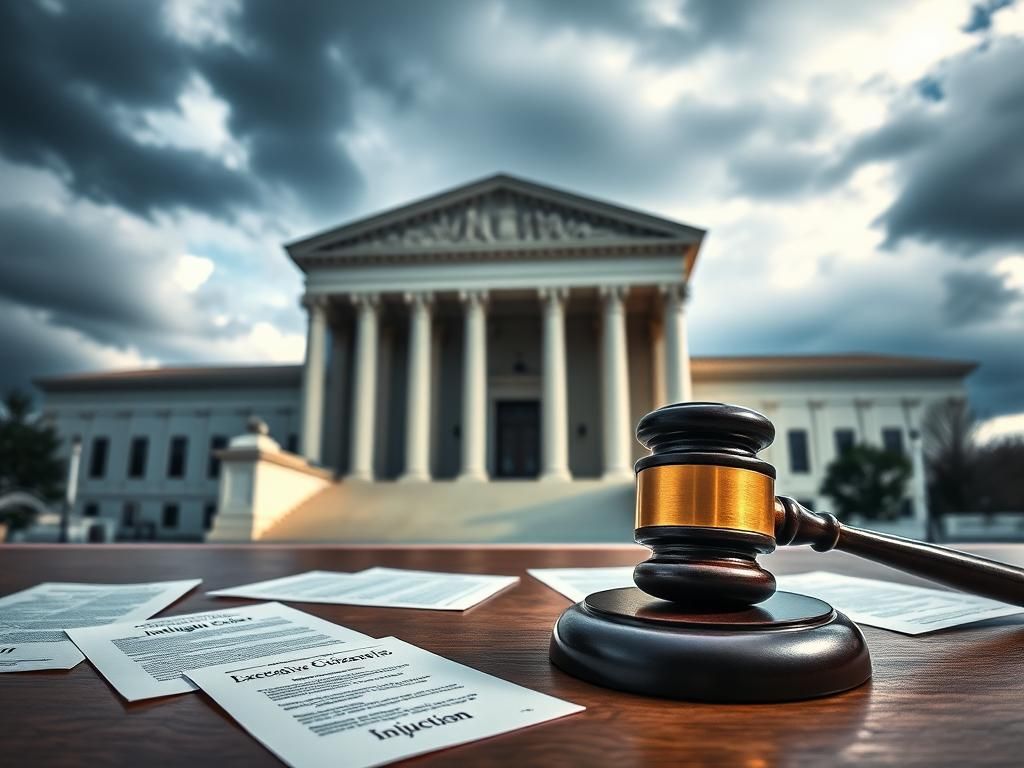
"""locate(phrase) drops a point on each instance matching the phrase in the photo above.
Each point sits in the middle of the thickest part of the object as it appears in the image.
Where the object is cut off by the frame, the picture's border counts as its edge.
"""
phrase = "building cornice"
(738, 368)
(503, 251)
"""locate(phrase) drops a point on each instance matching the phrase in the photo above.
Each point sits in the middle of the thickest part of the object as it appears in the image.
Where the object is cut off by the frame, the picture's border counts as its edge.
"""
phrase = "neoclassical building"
(475, 364)
(502, 329)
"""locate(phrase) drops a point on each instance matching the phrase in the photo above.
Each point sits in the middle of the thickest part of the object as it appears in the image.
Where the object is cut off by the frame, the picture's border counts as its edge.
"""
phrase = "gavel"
(706, 507)
(704, 621)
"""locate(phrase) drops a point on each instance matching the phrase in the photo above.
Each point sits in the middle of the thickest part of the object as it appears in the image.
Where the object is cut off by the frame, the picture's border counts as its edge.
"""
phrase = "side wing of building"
(822, 404)
(148, 439)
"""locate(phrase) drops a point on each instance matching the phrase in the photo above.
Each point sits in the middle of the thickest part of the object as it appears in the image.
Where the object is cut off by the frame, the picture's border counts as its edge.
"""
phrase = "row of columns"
(617, 446)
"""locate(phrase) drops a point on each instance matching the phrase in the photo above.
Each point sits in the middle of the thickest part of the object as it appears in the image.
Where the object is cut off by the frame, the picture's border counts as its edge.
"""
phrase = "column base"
(555, 476)
(358, 477)
(415, 477)
(623, 475)
(473, 477)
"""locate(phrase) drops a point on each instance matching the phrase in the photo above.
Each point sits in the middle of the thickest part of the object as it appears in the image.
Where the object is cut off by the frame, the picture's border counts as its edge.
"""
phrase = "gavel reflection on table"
(704, 621)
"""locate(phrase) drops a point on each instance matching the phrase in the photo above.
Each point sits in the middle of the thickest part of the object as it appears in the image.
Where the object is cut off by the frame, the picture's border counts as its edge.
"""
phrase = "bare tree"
(948, 433)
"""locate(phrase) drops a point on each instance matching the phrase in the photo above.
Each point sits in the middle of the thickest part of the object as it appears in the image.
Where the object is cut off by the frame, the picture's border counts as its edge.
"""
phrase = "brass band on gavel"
(705, 496)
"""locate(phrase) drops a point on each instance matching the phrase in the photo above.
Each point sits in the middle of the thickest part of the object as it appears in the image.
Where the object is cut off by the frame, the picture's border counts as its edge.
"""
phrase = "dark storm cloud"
(78, 78)
(981, 15)
(290, 98)
(29, 347)
(974, 297)
(74, 80)
(958, 167)
(708, 23)
(775, 174)
(83, 276)
(75, 290)
(66, 73)
(931, 89)
(466, 89)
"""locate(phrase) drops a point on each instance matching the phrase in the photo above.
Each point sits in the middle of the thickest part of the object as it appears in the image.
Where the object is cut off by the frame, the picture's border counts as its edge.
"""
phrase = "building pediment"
(493, 215)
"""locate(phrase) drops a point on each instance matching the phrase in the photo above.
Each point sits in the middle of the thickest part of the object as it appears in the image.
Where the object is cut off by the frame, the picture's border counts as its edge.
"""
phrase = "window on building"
(170, 516)
(799, 458)
(176, 459)
(844, 440)
(209, 512)
(217, 443)
(129, 514)
(92, 509)
(98, 457)
(292, 444)
(138, 455)
(892, 440)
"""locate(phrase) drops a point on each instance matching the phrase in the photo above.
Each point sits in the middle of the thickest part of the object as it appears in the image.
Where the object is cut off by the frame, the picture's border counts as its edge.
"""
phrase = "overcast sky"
(860, 166)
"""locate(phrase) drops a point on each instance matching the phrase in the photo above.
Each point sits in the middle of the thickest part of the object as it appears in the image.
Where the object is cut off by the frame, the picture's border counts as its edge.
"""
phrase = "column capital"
(675, 291)
(418, 297)
(552, 293)
(474, 297)
(361, 300)
(618, 292)
(310, 301)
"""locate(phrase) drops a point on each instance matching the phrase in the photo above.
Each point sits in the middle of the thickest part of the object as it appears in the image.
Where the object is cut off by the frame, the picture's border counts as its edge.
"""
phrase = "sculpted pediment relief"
(493, 219)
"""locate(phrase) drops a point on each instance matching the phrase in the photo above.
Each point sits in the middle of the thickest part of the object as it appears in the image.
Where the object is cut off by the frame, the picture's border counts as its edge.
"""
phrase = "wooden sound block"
(788, 647)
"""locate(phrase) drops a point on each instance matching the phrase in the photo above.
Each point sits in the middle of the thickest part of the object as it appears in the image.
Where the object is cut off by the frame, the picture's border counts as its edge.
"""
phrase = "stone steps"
(509, 511)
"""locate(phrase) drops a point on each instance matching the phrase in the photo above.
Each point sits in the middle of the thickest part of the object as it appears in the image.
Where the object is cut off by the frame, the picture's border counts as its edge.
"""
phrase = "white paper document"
(143, 660)
(381, 587)
(32, 622)
(370, 705)
(899, 607)
(577, 583)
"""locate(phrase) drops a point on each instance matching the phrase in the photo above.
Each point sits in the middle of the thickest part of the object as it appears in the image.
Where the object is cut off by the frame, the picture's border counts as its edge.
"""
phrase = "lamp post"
(72, 486)
(919, 487)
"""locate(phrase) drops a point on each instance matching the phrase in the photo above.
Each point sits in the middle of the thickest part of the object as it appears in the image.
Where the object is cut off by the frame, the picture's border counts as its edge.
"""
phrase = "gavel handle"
(795, 524)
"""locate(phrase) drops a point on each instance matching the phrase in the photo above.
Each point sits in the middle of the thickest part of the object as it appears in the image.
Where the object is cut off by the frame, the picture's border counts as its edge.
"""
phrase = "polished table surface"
(954, 697)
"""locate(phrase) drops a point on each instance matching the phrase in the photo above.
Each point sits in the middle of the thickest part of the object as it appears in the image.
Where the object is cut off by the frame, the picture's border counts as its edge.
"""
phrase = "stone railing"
(259, 484)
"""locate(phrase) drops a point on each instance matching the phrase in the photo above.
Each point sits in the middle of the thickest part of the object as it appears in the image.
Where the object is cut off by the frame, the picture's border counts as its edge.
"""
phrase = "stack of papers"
(309, 690)
(380, 587)
(32, 622)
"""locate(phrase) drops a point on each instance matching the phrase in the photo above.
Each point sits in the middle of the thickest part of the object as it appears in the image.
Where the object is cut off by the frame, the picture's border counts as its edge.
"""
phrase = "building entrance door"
(518, 438)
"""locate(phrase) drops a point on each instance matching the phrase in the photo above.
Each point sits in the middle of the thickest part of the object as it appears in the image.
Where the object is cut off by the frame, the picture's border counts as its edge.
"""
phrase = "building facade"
(497, 334)
(149, 439)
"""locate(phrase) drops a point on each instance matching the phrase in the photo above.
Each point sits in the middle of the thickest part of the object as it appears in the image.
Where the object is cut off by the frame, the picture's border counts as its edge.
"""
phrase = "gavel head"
(705, 505)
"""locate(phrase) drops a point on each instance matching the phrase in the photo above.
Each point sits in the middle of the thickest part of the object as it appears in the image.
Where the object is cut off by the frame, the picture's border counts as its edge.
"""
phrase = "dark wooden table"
(954, 697)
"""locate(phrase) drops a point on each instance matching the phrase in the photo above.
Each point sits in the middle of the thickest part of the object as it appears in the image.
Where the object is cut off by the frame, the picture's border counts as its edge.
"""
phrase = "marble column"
(418, 402)
(678, 382)
(618, 431)
(313, 374)
(364, 390)
(657, 331)
(554, 405)
(474, 386)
